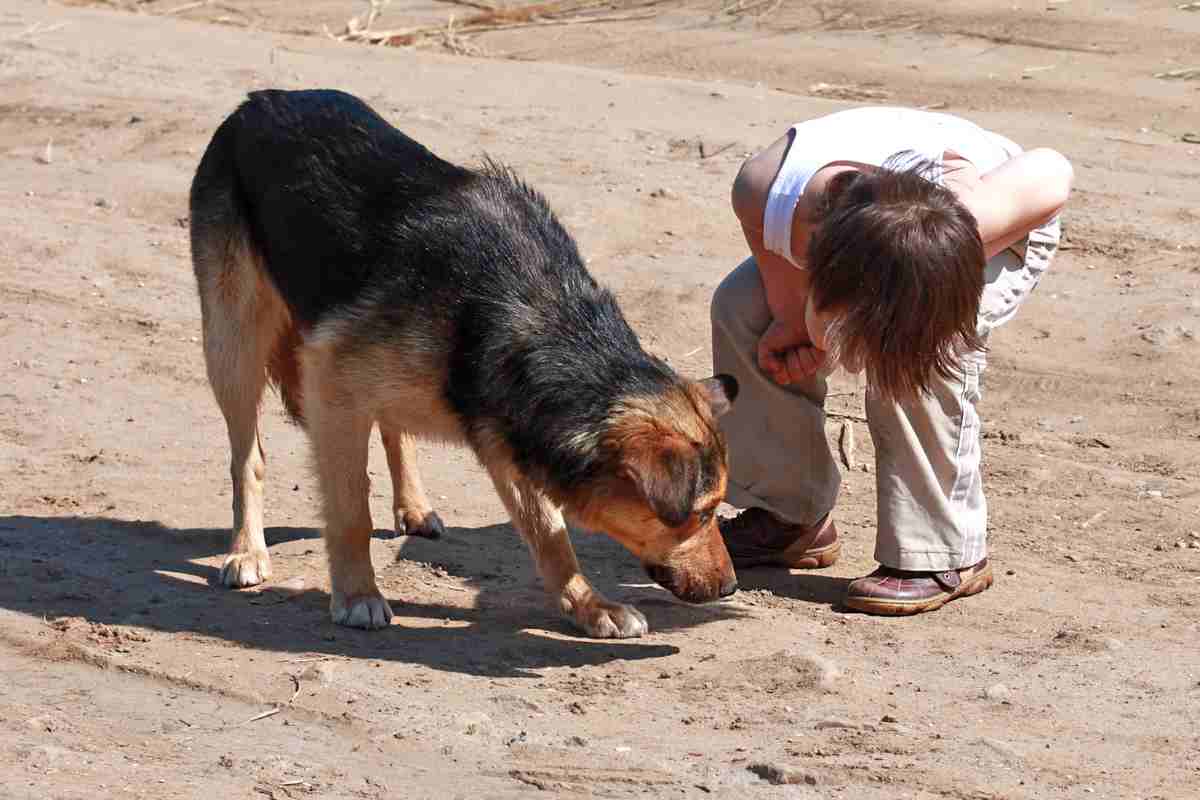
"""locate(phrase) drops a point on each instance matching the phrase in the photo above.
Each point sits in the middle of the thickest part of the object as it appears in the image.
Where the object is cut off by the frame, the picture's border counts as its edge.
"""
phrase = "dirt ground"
(126, 673)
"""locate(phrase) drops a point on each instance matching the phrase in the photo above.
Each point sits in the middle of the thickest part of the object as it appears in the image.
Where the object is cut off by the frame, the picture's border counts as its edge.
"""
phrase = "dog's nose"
(729, 587)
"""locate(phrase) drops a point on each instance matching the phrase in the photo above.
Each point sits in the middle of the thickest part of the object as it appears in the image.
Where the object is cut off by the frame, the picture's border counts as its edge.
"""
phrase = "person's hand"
(786, 353)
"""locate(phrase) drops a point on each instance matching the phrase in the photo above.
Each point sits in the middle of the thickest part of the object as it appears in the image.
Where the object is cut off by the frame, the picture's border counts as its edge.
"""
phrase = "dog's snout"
(689, 587)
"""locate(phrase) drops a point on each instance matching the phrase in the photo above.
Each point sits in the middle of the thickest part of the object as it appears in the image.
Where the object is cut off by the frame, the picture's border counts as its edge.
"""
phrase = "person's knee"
(738, 297)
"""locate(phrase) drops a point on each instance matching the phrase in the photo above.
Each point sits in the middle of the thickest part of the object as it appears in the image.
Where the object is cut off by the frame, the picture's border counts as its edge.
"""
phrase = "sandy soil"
(128, 674)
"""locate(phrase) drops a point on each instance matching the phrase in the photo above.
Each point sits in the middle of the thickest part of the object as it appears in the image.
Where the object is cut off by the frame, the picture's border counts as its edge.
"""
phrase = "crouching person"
(892, 242)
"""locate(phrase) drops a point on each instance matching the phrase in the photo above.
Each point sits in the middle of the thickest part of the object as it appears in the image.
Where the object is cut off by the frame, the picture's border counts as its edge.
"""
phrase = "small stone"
(827, 724)
(43, 723)
(782, 776)
(474, 724)
(997, 692)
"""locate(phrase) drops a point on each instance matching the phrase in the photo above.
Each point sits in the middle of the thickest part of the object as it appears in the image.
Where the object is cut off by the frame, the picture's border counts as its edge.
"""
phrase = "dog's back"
(322, 185)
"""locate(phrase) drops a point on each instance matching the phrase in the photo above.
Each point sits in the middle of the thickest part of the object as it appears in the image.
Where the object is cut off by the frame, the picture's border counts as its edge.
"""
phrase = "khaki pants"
(932, 511)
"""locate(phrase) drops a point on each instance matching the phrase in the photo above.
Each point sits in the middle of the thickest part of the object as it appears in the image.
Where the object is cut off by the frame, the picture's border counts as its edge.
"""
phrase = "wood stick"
(185, 7)
(846, 444)
(263, 715)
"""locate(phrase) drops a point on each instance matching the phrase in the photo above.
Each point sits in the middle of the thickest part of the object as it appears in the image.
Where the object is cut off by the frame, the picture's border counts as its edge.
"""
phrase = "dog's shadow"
(144, 574)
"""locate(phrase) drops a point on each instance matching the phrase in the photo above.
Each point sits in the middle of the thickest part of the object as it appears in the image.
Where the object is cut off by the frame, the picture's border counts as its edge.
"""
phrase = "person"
(891, 242)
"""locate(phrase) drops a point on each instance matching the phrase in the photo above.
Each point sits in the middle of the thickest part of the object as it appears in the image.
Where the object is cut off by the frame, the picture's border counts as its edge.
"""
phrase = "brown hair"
(900, 261)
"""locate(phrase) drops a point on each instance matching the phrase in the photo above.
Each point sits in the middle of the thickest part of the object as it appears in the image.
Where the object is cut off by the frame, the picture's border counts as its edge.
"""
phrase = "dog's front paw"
(368, 611)
(427, 525)
(245, 569)
(607, 620)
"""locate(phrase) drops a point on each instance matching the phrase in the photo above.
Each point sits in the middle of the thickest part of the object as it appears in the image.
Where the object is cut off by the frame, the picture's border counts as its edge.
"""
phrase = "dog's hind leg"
(414, 515)
(544, 530)
(242, 318)
(340, 430)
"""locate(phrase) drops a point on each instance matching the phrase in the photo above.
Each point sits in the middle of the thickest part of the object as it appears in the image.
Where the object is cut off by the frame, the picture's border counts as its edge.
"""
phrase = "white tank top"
(871, 135)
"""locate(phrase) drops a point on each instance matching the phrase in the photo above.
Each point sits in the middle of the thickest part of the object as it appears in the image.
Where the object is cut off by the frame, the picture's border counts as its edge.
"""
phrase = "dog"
(375, 284)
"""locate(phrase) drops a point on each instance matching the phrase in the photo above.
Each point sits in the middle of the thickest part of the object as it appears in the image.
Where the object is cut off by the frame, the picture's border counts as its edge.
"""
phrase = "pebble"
(782, 776)
(826, 724)
(474, 723)
(996, 692)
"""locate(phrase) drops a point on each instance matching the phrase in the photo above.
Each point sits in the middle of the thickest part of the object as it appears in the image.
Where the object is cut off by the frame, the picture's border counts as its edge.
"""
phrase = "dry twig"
(704, 154)
(846, 444)
(263, 715)
(1190, 73)
(554, 12)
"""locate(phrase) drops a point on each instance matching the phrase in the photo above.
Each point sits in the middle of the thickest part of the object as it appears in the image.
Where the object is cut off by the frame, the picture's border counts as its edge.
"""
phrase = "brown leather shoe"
(756, 537)
(893, 592)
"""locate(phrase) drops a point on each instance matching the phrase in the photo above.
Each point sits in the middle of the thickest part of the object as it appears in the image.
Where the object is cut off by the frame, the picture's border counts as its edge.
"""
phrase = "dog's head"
(664, 477)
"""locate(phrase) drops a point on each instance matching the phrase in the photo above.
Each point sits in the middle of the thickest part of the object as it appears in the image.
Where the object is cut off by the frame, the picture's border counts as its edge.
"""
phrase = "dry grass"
(491, 17)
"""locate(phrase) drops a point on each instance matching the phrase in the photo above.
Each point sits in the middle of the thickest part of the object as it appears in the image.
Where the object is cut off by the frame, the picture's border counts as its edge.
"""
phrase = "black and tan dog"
(376, 284)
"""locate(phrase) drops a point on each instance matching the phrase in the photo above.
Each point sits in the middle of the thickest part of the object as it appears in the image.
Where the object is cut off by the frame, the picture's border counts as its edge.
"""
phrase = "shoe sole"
(901, 608)
(809, 559)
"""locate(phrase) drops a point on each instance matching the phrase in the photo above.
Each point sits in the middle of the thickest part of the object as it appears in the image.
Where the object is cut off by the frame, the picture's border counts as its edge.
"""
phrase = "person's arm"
(785, 351)
(1016, 197)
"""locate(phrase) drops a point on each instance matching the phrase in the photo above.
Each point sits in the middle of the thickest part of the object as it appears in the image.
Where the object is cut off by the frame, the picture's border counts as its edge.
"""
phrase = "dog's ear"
(666, 477)
(721, 391)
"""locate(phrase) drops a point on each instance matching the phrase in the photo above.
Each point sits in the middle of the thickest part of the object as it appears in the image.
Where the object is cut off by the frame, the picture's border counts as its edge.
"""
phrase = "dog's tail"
(238, 300)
